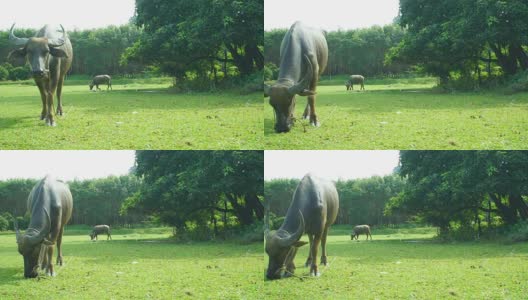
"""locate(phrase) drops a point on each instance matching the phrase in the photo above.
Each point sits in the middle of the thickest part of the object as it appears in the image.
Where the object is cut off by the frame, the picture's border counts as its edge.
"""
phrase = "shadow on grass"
(12, 122)
(10, 275)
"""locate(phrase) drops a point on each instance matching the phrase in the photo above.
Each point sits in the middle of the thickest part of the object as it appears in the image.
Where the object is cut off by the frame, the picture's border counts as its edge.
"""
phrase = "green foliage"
(445, 36)
(137, 114)
(182, 36)
(19, 73)
(518, 83)
(360, 51)
(454, 186)
(200, 189)
(4, 73)
(4, 224)
(271, 71)
(517, 232)
(404, 113)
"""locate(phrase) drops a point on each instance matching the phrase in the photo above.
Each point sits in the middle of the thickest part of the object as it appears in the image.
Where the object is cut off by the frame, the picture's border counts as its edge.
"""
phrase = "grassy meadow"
(137, 114)
(404, 114)
(408, 264)
(137, 264)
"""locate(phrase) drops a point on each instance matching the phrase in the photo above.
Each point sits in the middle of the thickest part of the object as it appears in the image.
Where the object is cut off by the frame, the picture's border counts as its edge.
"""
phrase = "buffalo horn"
(58, 42)
(16, 40)
(292, 238)
(301, 85)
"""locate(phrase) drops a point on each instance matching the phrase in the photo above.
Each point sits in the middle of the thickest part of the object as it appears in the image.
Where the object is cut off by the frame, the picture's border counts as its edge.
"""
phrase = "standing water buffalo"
(50, 206)
(304, 55)
(313, 209)
(101, 79)
(101, 229)
(355, 79)
(360, 229)
(50, 56)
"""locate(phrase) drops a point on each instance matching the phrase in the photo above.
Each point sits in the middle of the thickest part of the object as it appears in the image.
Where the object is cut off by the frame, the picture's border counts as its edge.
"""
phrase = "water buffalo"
(101, 229)
(50, 207)
(360, 229)
(50, 56)
(313, 209)
(355, 79)
(304, 55)
(101, 79)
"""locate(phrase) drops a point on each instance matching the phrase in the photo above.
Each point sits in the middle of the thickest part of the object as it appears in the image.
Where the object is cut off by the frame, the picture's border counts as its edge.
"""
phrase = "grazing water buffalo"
(355, 79)
(50, 56)
(360, 229)
(100, 229)
(101, 79)
(313, 209)
(304, 55)
(50, 207)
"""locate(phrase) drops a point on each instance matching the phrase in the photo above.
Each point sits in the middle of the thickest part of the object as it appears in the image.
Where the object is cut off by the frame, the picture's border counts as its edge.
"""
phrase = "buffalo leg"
(313, 250)
(306, 113)
(323, 247)
(43, 94)
(310, 256)
(50, 257)
(59, 247)
(59, 96)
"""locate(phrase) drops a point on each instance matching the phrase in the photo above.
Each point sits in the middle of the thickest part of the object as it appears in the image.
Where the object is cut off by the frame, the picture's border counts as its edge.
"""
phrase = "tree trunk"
(507, 213)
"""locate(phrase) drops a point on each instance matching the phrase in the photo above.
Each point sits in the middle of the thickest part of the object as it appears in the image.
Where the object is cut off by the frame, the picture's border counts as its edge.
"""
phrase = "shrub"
(19, 73)
(4, 73)
(271, 71)
(517, 83)
(517, 232)
(4, 224)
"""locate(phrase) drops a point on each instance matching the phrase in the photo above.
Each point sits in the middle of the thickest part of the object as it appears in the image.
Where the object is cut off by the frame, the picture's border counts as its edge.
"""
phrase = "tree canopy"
(455, 186)
(454, 36)
(183, 36)
(187, 188)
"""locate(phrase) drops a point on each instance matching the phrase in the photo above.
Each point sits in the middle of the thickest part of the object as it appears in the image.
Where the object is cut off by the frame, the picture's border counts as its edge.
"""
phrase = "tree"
(182, 36)
(454, 186)
(451, 36)
(200, 187)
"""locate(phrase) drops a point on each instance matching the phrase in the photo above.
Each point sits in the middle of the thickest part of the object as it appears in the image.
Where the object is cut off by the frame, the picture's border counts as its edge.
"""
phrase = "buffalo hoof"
(315, 274)
(315, 124)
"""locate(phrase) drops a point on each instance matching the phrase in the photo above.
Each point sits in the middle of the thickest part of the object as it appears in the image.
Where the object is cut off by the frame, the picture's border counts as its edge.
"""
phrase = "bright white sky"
(331, 164)
(65, 165)
(72, 14)
(329, 14)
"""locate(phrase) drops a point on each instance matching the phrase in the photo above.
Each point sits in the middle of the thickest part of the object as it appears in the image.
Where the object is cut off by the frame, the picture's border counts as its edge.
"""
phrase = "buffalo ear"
(58, 52)
(299, 244)
(307, 92)
(21, 52)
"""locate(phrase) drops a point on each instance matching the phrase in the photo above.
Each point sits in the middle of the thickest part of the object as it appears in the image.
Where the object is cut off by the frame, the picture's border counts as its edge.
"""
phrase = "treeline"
(95, 51)
(452, 189)
(360, 51)
(96, 201)
(361, 201)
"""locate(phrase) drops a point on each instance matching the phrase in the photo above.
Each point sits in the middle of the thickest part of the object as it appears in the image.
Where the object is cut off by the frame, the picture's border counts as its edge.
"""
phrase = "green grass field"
(404, 114)
(137, 264)
(137, 114)
(408, 264)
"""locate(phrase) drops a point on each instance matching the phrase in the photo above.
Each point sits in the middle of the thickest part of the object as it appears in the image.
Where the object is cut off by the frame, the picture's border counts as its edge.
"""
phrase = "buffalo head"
(38, 51)
(281, 247)
(29, 246)
(282, 97)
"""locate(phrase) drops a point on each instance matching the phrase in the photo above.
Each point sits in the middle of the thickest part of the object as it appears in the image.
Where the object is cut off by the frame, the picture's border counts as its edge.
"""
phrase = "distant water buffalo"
(355, 79)
(50, 207)
(50, 56)
(101, 229)
(360, 229)
(101, 79)
(313, 209)
(304, 55)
